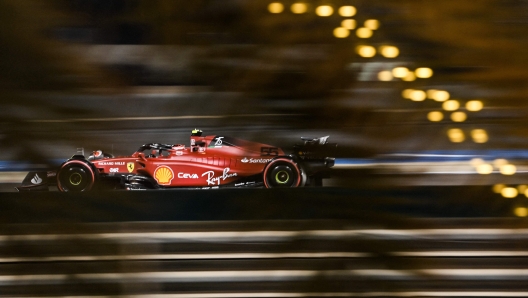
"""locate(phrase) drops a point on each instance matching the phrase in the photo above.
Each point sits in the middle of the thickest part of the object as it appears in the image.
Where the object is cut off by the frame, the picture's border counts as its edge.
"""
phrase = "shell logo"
(163, 175)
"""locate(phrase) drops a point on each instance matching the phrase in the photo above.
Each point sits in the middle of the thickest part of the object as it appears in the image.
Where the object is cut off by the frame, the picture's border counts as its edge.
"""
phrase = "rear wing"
(316, 141)
(315, 148)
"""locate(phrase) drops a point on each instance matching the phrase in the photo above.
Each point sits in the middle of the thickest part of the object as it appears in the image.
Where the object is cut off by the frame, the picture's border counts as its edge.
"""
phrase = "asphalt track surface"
(312, 242)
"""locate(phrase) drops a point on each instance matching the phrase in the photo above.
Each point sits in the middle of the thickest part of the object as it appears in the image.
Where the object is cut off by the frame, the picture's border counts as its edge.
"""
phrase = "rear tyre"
(75, 176)
(282, 172)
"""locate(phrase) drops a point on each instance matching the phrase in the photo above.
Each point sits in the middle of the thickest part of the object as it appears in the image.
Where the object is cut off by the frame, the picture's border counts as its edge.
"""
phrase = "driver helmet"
(196, 132)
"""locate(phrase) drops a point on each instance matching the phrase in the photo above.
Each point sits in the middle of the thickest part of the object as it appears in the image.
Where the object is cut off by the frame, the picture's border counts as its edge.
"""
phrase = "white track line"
(241, 256)
(212, 256)
(443, 234)
(268, 275)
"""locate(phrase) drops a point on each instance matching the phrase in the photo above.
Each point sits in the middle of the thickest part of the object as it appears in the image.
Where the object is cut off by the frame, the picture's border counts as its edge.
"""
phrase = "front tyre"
(76, 175)
(282, 172)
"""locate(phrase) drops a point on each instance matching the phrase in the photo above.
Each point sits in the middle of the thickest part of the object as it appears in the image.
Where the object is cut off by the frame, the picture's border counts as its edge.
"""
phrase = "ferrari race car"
(209, 162)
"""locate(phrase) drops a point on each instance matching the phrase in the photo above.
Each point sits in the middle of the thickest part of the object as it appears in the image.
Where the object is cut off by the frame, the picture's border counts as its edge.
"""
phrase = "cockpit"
(198, 143)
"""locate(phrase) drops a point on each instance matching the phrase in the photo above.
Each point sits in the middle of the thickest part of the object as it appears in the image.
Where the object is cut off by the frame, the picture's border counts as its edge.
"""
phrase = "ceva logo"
(187, 176)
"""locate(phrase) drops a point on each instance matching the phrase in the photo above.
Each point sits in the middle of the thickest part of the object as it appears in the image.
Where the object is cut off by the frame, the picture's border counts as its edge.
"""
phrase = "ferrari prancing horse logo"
(130, 167)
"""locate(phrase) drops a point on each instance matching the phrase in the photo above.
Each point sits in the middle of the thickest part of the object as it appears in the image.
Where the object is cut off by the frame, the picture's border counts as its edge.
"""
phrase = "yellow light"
(347, 11)
(451, 105)
(410, 77)
(385, 76)
(350, 24)
(484, 169)
(431, 93)
(424, 72)
(366, 51)
(509, 192)
(508, 169)
(458, 117)
(372, 24)
(324, 10)
(526, 193)
(407, 93)
(389, 51)
(299, 8)
(400, 72)
(456, 135)
(474, 105)
(476, 161)
(341, 32)
(275, 7)
(438, 95)
(417, 95)
(497, 188)
(364, 32)
(521, 211)
(435, 116)
(522, 188)
(500, 162)
(479, 136)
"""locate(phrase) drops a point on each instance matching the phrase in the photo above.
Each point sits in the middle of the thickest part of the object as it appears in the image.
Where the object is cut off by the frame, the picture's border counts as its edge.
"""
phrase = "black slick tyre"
(76, 176)
(282, 172)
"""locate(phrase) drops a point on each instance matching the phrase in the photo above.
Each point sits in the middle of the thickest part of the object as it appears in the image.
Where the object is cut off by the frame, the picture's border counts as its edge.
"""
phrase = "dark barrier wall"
(318, 242)
(252, 204)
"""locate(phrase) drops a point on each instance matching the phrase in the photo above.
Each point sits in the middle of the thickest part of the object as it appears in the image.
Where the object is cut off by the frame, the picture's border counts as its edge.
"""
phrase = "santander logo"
(256, 160)
(36, 179)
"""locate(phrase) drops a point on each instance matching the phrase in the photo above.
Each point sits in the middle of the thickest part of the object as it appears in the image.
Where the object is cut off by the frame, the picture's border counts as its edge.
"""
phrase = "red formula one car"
(209, 162)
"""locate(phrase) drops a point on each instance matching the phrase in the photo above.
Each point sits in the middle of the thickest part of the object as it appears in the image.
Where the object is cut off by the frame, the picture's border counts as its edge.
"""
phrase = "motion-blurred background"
(419, 93)
(405, 86)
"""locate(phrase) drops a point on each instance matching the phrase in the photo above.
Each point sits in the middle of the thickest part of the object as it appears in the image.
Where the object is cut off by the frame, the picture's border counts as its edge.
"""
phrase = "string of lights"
(450, 110)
